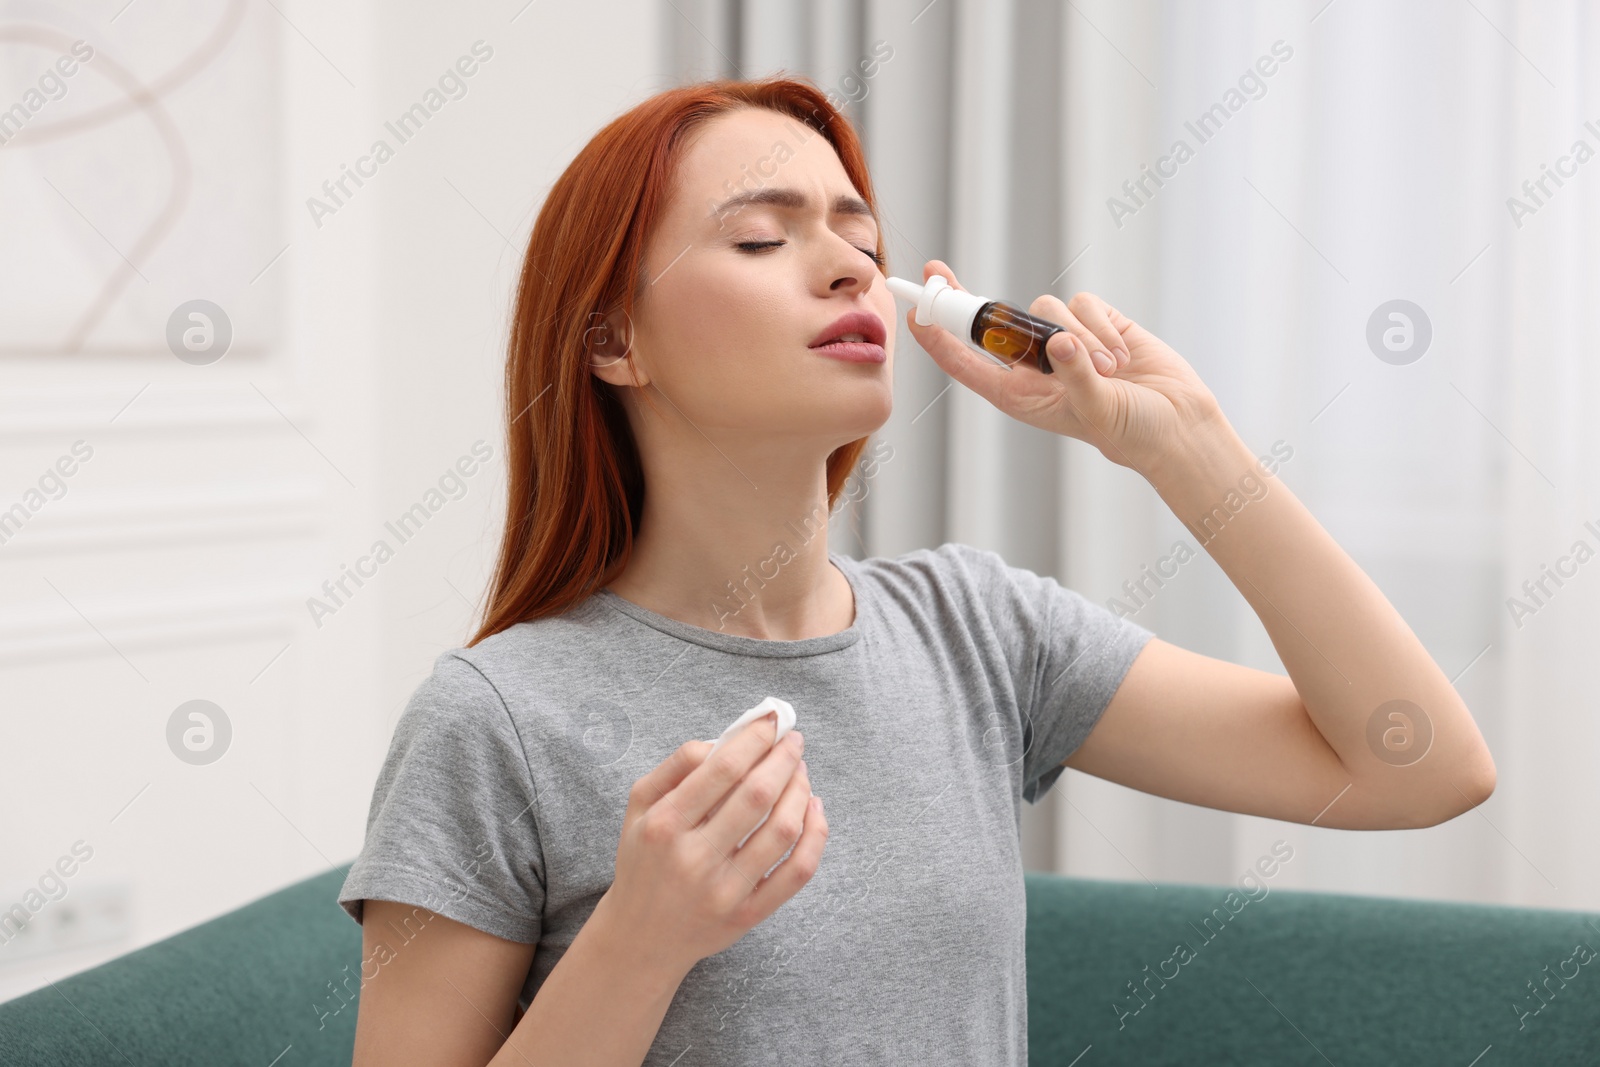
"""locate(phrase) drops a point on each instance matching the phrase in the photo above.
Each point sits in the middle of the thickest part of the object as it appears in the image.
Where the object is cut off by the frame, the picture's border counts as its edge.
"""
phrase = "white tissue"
(785, 720)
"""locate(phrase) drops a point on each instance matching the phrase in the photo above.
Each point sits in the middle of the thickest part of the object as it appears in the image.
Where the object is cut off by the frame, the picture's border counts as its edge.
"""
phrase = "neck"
(739, 545)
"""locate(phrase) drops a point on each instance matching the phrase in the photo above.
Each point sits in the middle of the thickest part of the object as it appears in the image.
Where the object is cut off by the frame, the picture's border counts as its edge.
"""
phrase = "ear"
(608, 343)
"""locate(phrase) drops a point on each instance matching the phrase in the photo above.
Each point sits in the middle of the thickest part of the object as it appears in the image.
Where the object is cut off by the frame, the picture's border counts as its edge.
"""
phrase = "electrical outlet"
(91, 913)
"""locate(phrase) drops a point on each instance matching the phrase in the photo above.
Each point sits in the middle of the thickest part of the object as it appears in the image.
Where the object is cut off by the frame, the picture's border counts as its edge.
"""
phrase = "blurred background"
(240, 345)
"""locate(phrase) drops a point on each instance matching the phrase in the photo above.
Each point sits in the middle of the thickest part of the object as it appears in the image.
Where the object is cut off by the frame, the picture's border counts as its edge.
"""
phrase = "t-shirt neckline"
(740, 644)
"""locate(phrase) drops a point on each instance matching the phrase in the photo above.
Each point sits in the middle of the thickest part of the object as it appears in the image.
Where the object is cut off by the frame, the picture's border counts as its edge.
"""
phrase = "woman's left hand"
(1137, 408)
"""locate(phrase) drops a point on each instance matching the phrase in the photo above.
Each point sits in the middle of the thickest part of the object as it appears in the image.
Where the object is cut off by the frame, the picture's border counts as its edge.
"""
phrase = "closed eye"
(761, 246)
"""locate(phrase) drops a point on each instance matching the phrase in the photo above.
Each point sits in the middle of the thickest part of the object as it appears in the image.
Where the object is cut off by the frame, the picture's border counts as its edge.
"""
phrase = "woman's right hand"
(684, 889)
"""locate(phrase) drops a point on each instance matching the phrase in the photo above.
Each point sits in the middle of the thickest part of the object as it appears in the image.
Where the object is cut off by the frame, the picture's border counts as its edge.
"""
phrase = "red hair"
(574, 479)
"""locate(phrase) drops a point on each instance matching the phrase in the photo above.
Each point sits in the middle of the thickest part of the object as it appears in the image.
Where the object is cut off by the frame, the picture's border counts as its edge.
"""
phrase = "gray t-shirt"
(953, 697)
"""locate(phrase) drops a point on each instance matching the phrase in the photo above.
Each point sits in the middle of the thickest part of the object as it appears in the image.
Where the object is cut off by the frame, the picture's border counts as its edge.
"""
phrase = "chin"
(859, 410)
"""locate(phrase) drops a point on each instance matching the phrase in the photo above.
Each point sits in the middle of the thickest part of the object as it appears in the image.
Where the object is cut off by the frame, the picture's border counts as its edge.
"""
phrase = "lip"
(868, 325)
(852, 351)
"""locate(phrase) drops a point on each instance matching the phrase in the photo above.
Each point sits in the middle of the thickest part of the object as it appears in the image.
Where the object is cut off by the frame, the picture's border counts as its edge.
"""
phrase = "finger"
(1051, 308)
(757, 725)
(959, 361)
(1094, 314)
(794, 872)
(1132, 333)
(665, 777)
(701, 790)
(1085, 385)
(781, 830)
(1090, 395)
(754, 797)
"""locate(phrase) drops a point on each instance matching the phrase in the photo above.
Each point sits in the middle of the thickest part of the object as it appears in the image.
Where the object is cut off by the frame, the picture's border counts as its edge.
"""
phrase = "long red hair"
(575, 484)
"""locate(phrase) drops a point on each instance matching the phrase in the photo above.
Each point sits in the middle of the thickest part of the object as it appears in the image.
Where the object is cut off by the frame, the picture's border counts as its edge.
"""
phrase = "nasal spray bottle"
(1003, 332)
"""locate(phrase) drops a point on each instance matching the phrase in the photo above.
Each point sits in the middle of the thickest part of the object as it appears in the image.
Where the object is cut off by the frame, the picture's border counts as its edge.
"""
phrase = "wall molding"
(116, 521)
(42, 631)
(101, 407)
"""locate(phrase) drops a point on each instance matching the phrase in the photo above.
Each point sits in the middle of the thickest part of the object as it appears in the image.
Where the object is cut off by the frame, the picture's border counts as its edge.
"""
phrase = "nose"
(849, 270)
(855, 279)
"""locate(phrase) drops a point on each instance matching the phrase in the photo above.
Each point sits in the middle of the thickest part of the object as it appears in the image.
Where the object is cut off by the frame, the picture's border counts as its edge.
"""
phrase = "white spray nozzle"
(908, 291)
(938, 303)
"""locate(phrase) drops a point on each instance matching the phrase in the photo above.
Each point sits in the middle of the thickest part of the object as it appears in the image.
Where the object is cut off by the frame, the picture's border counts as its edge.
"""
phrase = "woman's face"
(737, 295)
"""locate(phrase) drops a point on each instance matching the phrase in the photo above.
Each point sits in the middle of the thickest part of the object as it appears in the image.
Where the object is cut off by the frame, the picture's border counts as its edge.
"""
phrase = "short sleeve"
(452, 826)
(1068, 656)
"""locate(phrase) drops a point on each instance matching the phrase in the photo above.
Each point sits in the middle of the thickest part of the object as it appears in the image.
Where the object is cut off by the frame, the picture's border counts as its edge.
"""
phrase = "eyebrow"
(791, 198)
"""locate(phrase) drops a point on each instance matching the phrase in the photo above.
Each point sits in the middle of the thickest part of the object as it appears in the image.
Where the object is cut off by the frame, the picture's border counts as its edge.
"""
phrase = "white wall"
(367, 360)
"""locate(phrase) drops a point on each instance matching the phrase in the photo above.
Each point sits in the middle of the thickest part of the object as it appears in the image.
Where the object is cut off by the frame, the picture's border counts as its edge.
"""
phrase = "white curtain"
(1356, 153)
(1545, 308)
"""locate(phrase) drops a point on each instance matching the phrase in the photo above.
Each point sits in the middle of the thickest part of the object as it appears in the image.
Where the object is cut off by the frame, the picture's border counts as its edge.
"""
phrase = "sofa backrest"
(1301, 977)
(262, 982)
(1289, 977)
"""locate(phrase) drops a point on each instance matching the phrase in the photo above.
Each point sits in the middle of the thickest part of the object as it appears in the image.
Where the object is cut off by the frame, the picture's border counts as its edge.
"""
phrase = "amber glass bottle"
(1004, 332)
(1012, 334)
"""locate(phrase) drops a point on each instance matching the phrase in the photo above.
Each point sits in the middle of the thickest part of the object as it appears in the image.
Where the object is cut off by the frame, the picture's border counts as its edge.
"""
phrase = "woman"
(702, 347)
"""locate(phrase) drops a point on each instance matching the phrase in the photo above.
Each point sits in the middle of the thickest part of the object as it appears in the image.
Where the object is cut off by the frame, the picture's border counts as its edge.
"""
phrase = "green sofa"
(1289, 978)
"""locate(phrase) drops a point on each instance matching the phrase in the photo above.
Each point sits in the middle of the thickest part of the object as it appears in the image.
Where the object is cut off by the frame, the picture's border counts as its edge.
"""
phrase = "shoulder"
(477, 686)
(953, 573)
(516, 658)
(957, 591)
(454, 713)
(951, 564)
(977, 590)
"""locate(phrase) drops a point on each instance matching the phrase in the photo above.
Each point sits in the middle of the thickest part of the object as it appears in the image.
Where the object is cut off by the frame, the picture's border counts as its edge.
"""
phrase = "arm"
(447, 996)
(1323, 745)
(1214, 733)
